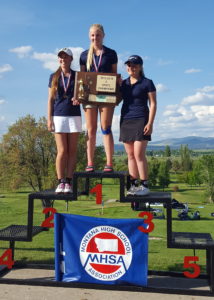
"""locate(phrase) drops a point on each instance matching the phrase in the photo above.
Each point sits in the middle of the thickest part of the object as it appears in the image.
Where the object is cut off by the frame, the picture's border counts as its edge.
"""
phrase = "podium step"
(152, 197)
(192, 240)
(18, 232)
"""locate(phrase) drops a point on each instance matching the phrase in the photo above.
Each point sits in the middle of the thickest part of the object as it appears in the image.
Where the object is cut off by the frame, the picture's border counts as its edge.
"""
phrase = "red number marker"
(6, 259)
(47, 222)
(151, 225)
(196, 268)
(98, 191)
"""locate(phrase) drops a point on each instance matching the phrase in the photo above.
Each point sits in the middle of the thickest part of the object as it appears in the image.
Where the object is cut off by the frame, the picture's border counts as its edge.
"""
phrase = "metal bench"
(196, 240)
(22, 233)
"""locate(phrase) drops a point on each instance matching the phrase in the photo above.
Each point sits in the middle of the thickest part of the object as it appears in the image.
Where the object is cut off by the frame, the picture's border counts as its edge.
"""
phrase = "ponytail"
(89, 58)
(54, 84)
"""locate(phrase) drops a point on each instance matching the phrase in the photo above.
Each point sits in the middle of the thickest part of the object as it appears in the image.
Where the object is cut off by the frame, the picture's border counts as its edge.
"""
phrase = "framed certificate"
(95, 87)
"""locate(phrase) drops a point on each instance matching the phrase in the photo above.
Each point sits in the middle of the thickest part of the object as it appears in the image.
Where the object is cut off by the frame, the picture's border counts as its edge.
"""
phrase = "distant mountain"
(193, 142)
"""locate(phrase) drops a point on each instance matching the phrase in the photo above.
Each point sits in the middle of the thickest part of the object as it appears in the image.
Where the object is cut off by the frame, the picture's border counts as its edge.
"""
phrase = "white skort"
(67, 124)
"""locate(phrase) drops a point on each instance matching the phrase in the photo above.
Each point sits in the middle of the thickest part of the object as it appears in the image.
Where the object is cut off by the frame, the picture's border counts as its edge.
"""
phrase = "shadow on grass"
(25, 260)
(25, 192)
(180, 268)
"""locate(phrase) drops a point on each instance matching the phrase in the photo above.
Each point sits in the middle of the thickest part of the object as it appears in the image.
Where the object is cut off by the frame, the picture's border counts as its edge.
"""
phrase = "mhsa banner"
(99, 250)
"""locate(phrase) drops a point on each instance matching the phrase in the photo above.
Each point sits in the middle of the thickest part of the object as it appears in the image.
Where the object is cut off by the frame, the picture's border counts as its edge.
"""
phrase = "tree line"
(191, 170)
(28, 152)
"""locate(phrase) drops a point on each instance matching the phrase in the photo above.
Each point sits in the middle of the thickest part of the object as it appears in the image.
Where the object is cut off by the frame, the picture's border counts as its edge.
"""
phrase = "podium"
(121, 175)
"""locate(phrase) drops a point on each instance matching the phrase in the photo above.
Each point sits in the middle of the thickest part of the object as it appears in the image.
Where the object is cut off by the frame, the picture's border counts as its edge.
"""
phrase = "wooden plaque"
(96, 88)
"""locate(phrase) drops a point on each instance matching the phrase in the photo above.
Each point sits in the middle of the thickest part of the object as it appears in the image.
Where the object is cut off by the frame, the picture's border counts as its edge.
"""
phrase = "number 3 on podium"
(147, 221)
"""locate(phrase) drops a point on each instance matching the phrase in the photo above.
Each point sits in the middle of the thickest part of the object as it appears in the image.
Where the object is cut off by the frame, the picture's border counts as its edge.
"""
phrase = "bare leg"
(72, 140)
(106, 115)
(62, 150)
(132, 165)
(140, 157)
(91, 125)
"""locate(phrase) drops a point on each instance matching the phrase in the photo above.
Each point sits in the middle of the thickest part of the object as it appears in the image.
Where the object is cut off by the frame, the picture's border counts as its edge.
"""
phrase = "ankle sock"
(144, 183)
(134, 182)
(61, 180)
(68, 180)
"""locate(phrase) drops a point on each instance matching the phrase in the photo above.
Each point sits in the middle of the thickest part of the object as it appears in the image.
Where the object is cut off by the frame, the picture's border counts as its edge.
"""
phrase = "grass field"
(13, 210)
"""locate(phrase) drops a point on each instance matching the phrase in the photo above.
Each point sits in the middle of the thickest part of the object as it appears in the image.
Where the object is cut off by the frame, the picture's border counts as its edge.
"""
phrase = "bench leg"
(211, 277)
(210, 268)
(12, 247)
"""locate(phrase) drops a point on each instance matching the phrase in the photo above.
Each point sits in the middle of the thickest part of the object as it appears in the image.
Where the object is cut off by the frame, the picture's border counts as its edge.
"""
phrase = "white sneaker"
(142, 191)
(133, 189)
(60, 188)
(68, 188)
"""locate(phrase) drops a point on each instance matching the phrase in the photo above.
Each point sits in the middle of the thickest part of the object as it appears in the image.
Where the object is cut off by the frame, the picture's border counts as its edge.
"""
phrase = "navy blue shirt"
(135, 98)
(64, 106)
(109, 58)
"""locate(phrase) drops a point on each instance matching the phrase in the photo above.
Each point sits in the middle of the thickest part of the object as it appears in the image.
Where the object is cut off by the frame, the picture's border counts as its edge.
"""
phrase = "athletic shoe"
(68, 188)
(142, 191)
(60, 188)
(133, 189)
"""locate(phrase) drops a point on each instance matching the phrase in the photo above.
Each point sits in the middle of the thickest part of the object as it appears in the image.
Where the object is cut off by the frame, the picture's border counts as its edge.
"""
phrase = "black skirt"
(132, 130)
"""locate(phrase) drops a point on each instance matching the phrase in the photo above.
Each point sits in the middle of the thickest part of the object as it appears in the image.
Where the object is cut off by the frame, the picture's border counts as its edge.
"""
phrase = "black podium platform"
(121, 175)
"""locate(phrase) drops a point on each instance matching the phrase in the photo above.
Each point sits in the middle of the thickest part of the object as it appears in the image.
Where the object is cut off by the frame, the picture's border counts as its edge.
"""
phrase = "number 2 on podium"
(47, 222)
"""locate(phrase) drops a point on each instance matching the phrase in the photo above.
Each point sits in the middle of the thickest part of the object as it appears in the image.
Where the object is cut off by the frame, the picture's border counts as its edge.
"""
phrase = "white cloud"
(204, 112)
(206, 89)
(22, 51)
(161, 88)
(6, 68)
(50, 60)
(190, 71)
(2, 101)
(198, 98)
(193, 116)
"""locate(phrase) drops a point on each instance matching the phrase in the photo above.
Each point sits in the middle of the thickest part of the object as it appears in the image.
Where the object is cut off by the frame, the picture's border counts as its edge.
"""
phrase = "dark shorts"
(132, 130)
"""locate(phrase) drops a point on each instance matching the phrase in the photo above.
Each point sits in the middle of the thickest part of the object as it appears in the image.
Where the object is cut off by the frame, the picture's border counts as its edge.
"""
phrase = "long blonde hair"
(54, 83)
(100, 28)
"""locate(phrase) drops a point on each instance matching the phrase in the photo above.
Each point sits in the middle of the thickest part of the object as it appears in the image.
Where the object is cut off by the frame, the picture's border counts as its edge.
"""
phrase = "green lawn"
(13, 210)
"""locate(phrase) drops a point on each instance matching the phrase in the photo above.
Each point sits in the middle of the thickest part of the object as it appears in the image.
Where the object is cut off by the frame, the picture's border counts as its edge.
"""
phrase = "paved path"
(30, 292)
(21, 292)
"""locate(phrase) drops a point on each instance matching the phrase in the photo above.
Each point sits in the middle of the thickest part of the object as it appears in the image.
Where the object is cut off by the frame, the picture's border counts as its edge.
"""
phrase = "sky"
(175, 38)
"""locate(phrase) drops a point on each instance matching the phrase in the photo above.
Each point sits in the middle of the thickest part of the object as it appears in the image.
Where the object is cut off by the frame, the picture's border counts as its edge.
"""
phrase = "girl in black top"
(137, 122)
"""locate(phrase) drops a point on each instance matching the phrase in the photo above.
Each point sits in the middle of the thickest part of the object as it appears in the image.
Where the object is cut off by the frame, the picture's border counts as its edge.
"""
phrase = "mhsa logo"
(105, 253)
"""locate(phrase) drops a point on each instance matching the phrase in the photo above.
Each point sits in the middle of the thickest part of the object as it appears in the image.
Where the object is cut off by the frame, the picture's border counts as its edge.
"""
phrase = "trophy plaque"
(97, 88)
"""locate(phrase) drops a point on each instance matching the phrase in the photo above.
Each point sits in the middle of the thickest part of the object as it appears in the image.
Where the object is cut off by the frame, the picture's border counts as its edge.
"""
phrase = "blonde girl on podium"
(99, 58)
